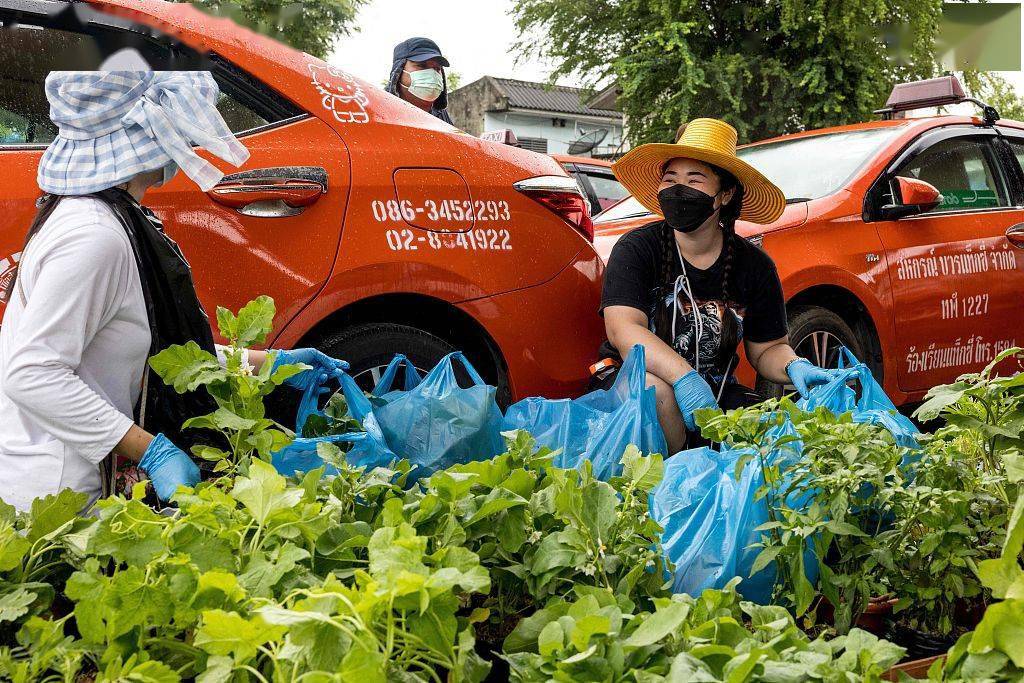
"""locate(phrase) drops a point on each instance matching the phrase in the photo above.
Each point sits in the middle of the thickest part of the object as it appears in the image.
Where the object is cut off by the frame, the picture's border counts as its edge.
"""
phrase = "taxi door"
(270, 227)
(954, 273)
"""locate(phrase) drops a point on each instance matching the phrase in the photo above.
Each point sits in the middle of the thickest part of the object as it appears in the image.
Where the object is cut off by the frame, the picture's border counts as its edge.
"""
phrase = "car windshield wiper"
(796, 200)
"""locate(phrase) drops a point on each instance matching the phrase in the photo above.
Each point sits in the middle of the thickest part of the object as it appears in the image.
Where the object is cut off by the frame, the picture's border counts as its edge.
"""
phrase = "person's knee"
(662, 389)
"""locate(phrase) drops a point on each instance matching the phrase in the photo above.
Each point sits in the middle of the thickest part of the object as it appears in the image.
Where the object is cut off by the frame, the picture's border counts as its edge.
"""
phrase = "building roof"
(554, 98)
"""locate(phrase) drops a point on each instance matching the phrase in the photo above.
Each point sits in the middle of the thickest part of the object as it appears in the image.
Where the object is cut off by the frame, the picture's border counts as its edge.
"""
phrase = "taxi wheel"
(369, 348)
(816, 334)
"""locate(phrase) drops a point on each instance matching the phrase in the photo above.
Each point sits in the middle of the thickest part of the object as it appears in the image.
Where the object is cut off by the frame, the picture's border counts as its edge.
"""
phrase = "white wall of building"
(559, 138)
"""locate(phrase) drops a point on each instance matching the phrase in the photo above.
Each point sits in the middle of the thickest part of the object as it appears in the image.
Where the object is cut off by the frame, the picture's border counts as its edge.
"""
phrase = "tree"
(453, 78)
(767, 67)
(993, 89)
(308, 25)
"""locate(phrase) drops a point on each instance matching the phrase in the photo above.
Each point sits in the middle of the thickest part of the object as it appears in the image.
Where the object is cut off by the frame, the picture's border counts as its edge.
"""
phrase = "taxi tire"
(803, 321)
(374, 345)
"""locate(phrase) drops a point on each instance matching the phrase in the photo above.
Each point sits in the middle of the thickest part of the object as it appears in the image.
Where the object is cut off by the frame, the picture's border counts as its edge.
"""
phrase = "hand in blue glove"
(323, 366)
(168, 467)
(804, 374)
(692, 394)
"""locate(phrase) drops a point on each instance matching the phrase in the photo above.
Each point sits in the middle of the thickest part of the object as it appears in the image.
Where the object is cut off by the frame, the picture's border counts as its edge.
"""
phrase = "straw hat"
(713, 142)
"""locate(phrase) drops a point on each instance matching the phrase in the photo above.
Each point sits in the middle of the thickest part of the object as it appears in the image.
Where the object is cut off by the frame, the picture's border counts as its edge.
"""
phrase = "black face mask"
(685, 208)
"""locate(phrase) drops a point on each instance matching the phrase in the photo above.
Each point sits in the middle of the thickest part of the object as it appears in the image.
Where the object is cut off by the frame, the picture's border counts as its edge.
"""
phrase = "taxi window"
(627, 208)
(964, 171)
(28, 53)
(1018, 150)
(607, 188)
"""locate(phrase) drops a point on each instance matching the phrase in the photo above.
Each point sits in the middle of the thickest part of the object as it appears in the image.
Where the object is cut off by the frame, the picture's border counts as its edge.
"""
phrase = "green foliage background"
(767, 68)
(308, 25)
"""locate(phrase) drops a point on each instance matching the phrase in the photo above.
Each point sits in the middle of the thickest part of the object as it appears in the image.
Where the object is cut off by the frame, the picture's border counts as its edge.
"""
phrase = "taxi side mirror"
(915, 197)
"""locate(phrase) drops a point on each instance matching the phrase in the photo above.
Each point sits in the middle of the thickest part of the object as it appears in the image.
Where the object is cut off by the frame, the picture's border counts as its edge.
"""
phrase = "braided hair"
(727, 216)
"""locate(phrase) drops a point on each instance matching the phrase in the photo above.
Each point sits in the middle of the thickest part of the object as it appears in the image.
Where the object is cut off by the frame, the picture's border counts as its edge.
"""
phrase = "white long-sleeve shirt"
(72, 355)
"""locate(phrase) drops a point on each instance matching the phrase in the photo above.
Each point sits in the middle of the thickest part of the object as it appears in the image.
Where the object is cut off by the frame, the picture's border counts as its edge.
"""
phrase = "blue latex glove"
(168, 467)
(692, 394)
(323, 366)
(804, 374)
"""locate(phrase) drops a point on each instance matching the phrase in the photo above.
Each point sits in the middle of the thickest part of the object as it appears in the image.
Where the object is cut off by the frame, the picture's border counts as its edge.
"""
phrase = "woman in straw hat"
(100, 288)
(688, 289)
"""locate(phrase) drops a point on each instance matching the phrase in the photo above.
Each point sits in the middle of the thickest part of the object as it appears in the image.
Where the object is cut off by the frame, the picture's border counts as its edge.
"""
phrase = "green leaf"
(264, 492)
(229, 633)
(255, 320)
(187, 367)
(496, 501)
(765, 558)
(586, 628)
(1013, 460)
(13, 547)
(15, 604)
(227, 323)
(8, 513)
(843, 529)
(551, 639)
(525, 635)
(662, 622)
(644, 472)
(285, 372)
(939, 398)
(50, 513)
(220, 419)
(1001, 630)
(218, 670)
(209, 453)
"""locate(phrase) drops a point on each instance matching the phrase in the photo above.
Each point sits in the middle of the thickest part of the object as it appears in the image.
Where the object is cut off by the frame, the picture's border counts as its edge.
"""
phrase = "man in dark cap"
(417, 76)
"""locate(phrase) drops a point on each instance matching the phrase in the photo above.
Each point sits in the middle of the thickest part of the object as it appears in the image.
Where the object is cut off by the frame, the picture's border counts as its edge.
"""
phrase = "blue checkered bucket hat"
(113, 125)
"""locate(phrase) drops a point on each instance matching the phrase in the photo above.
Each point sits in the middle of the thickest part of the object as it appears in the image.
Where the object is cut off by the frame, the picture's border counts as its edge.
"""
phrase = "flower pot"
(915, 668)
(874, 618)
(920, 644)
(968, 612)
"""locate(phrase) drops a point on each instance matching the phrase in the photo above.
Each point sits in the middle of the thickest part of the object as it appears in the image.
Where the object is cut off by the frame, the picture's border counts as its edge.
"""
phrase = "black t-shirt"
(756, 309)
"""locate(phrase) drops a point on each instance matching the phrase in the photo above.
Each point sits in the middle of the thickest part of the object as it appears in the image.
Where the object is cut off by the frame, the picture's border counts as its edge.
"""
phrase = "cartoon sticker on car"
(8, 267)
(341, 94)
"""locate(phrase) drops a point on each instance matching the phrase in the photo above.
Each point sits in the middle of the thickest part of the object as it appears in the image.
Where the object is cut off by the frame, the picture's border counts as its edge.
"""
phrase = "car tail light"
(561, 195)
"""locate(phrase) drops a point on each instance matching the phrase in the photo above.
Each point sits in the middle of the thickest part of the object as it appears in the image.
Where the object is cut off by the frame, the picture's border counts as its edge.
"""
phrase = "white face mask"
(426, 84)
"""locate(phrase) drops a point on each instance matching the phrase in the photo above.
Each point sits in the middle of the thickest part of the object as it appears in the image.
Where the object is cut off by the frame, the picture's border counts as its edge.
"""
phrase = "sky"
(475, 35)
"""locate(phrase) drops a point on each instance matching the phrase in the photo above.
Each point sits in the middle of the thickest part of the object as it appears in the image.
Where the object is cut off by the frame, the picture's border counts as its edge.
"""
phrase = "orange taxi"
(596, 180)
(901, 239)
(374, 226)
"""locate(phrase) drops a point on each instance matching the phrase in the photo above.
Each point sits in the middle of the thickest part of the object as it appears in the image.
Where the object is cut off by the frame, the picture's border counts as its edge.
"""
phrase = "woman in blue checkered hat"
(100, 287)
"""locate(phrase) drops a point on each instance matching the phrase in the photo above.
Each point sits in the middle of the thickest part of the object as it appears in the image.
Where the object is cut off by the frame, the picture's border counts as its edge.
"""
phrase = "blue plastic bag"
(709, 518)
(598, 426)
(438, 423)
(301, 454)
(359, 406)
(368, 448)
(384, 391)
(872, 407)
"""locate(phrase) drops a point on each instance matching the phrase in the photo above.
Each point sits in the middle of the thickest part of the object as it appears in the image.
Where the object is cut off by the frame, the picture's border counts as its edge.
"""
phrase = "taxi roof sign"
(504, 136)
(931, 92)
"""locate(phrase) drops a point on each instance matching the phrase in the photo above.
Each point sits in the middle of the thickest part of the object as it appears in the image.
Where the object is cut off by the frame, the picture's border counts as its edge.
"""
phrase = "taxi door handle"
(1015, 234)
(271, 192)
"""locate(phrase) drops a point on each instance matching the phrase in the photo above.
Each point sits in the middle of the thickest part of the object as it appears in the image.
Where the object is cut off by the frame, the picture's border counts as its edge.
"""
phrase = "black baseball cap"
(419, 50)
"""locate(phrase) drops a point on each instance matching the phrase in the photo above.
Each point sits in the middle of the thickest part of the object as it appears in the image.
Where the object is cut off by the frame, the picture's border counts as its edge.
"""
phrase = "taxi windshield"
(815, 166)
